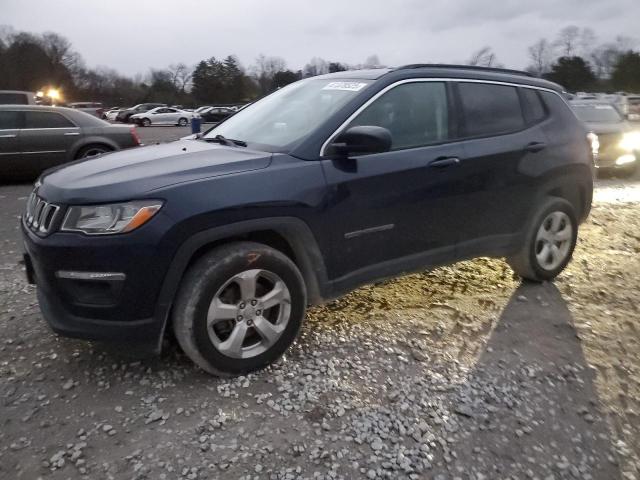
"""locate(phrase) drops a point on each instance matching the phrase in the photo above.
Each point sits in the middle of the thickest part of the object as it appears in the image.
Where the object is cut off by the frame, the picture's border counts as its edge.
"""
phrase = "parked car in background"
(124, 115)
(618, 143)
(17, 97)
(632, 108)
(327, 184)
(203, 108)
(34, 138)
(94, 108)
(111, 114)
(163, 116)
(215, 114)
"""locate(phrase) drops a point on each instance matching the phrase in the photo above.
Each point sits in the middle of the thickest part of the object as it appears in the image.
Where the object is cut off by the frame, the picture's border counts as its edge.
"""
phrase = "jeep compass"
(329, 183)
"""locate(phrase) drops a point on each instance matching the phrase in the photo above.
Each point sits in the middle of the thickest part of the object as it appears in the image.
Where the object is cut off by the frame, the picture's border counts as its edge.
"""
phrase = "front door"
(391, 208)
(47, 138)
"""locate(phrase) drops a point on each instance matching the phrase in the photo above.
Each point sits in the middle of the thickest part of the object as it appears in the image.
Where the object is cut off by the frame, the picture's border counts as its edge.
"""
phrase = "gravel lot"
(459, 373)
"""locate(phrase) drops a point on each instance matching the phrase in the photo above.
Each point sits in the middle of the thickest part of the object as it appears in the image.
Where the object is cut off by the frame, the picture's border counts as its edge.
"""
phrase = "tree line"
(577, 61)
(34, 61)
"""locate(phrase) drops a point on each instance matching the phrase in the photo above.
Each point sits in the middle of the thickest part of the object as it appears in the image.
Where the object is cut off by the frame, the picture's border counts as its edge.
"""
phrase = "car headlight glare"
(630, 141)
(110, 219)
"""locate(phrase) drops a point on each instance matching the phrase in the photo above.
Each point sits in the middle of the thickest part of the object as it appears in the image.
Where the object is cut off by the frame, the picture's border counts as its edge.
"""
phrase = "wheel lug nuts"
(253, 302)
(242, 305)
(239, 318)
(249, 322)
(258, 312)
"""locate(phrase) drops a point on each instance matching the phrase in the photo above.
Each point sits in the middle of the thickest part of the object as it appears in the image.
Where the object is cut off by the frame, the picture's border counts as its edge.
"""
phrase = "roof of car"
(449, 71)
(81, 118)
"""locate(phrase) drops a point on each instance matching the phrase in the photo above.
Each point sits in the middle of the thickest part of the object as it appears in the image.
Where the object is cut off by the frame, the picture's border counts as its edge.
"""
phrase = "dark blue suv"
(327, 184)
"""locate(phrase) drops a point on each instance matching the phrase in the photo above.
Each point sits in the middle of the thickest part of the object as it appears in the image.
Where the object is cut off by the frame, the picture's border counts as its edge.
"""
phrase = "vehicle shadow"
(536, 406)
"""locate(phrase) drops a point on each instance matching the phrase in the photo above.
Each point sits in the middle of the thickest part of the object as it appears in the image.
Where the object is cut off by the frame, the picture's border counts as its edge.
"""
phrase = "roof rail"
(465, 67)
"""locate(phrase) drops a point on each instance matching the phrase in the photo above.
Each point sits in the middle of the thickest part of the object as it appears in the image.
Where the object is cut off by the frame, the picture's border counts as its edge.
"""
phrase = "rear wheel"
(145, 122)
(239, 308)
(183, 122)
(549, 242)
(93, 150)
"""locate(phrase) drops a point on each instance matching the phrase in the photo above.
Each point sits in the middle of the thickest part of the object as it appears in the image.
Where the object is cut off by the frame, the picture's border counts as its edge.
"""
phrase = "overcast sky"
(133, 35)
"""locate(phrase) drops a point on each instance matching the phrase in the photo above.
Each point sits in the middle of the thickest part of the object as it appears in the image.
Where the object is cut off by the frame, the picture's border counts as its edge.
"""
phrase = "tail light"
(134, 135)
(594, 145)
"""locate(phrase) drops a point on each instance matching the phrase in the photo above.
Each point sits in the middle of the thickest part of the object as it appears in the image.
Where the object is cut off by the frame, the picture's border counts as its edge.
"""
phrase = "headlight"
(110, 219)
(630, 141)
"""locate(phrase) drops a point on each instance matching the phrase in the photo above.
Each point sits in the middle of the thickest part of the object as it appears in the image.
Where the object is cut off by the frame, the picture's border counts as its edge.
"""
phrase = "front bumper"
(113, 308)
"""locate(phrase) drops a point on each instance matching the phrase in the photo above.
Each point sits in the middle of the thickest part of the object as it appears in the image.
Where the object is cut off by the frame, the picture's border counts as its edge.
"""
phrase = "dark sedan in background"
(34, 138)
(215, 114)
(618, 141)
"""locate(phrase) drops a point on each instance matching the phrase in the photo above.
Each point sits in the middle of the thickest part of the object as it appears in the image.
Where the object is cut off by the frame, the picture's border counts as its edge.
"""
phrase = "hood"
(606, 128)
(136, 172)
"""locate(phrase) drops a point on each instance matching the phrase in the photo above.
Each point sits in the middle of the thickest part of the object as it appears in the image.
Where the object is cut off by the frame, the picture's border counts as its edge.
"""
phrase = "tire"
(93, 150)
(216, 277)
(183, 122)
(145, 122)
(558, 219)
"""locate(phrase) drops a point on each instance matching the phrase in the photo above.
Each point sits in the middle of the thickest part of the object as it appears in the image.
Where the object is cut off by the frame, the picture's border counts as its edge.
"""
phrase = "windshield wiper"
(230, 142)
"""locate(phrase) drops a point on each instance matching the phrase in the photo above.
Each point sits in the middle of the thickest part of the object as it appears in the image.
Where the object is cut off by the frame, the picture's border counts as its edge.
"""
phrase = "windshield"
(597, 113)
(289, 114)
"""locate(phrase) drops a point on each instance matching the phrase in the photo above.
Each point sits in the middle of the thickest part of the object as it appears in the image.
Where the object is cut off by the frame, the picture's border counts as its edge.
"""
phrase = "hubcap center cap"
(249, 311)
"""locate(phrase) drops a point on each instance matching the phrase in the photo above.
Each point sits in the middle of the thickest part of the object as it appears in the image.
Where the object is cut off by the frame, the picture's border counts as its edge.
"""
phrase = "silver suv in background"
(94, 108)
(34, 138)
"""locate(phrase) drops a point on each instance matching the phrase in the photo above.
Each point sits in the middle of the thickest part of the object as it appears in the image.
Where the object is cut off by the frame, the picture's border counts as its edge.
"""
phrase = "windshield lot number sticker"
(350, 86)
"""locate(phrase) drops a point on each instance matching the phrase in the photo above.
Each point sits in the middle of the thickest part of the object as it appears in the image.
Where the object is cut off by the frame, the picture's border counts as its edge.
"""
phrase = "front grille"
(40, 214)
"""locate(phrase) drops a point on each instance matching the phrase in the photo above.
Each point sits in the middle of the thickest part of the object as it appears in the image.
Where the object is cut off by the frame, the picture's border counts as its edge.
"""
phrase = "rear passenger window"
(416, 114)
(9, 120)
(534, 108)
(46, 120)
(490, 109)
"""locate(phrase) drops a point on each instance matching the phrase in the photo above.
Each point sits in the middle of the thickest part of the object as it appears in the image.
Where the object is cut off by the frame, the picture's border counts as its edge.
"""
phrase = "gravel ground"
(459, 373)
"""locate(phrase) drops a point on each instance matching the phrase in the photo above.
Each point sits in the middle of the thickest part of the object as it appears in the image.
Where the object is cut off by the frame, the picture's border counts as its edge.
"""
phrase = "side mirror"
(362, 140)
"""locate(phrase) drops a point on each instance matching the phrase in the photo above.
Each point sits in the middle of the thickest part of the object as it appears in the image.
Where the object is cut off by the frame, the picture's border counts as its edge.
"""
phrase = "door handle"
(444, 162)
(69, 134)
(9, 135)
(534, 147)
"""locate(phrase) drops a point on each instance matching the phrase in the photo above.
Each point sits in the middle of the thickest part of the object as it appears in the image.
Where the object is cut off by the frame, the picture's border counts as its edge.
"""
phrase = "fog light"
(625, 159)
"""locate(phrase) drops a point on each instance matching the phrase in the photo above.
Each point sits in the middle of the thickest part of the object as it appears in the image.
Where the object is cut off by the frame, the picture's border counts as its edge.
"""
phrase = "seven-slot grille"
(40, 214)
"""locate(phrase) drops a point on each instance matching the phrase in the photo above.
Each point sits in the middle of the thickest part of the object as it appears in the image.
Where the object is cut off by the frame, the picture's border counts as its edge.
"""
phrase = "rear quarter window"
(490, 109)
(13, 99)
(9, 120)
(534, 108)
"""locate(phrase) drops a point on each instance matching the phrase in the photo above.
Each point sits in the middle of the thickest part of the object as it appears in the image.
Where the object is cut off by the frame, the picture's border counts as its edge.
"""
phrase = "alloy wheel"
(553, 240)
(249, 313)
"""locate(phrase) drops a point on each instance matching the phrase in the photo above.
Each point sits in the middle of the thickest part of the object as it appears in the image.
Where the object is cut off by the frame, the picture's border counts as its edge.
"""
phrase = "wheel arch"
(288, 235)
(89, 141)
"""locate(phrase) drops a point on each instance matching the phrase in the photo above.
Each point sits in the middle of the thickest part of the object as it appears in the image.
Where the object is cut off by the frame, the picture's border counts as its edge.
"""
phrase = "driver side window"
(416, 114)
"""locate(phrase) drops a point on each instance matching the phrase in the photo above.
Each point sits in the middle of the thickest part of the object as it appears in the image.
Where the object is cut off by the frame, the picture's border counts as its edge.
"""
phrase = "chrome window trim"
(420, 80)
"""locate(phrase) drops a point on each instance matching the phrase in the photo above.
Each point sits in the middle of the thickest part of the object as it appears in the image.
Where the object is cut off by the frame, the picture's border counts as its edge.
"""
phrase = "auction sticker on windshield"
(350, 86)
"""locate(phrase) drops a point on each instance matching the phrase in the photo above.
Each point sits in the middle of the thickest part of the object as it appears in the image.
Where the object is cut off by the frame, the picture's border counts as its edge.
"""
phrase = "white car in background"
(163, 116)
(111, 114)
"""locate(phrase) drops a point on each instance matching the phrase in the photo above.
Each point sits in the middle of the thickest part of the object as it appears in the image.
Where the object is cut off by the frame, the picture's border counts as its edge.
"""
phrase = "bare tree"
(541, 54)
(265, 69)
(485, 57)
(372, 61)
(624, 44)
(568, 40)
(180, 75)
(587, 41)
(316, 66)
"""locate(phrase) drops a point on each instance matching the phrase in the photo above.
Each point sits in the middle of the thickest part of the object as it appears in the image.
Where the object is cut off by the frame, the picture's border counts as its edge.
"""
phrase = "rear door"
(10, 155)
(501, 148)
(47, 138)
(391, 206)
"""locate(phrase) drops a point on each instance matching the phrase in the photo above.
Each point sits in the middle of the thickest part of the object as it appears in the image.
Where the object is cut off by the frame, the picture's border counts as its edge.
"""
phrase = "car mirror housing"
(362, 139)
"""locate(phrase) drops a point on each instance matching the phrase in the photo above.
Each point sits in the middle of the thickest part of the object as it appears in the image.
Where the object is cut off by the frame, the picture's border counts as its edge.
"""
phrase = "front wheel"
(145, 122)
(549, 242)
(239, 308)
(183, 122)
